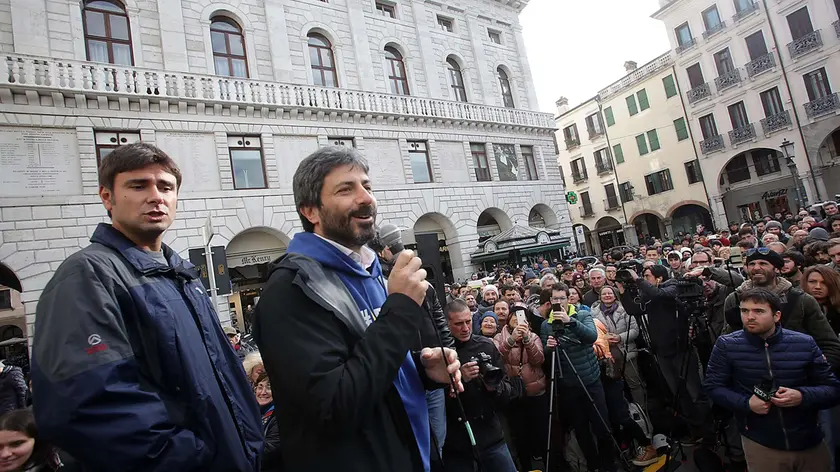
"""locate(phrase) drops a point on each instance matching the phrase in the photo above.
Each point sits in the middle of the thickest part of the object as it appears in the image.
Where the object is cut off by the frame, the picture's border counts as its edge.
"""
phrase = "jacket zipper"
(781, 416)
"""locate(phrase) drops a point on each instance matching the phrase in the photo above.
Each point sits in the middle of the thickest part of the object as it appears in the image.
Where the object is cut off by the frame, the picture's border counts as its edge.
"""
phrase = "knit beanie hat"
(489, 288)
(488, 314)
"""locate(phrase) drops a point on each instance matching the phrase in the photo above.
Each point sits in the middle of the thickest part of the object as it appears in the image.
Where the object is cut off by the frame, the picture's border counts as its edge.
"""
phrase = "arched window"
(107, 32)
(323, 62)
(456, 80)
(228, 47)
(396, 71)
(507, 93)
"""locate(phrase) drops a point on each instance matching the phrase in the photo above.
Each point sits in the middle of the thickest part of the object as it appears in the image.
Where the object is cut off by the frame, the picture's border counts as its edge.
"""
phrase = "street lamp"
(787, 149)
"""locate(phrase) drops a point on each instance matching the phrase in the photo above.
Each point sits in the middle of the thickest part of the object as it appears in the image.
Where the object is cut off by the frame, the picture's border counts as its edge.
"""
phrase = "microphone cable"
(428, 309)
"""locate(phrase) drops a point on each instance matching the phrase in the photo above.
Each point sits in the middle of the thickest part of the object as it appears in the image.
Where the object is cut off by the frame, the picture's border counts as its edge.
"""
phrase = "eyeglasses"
(761, 250)
(559, 299)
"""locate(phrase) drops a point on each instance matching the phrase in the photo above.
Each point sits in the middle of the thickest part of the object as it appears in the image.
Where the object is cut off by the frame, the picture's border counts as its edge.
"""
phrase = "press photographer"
(718, 283)
(486, 390)
(668, 329)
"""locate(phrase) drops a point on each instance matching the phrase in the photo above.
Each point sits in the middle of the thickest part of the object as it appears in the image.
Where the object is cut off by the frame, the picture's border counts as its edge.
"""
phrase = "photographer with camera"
(718, 283)
(668, 328)
(522, 354)
(775, 381)
(486, 389)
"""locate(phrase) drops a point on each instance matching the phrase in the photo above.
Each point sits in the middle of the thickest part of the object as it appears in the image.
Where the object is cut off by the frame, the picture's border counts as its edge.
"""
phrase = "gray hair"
(546, 278)
(310, 174)
(597, 269)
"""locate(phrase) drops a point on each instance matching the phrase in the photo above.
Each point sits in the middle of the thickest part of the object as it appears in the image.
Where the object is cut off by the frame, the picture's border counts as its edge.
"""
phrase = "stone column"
(485, 77)
(669, 228)
(630, 235)
(427, 51)
(525, 79)
(281, 59)
(719, 211)
(361, 48)
(173, 37)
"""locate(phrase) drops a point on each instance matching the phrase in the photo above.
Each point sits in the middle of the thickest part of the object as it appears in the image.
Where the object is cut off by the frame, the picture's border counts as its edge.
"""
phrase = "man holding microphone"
(349, 392)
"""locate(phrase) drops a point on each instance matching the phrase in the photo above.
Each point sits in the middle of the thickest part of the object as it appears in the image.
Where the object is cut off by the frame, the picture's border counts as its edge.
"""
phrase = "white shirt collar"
(365, 258)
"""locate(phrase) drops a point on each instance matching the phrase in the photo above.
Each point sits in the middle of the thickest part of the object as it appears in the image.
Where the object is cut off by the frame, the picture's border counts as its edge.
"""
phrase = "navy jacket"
(741, 361)
(131, 370)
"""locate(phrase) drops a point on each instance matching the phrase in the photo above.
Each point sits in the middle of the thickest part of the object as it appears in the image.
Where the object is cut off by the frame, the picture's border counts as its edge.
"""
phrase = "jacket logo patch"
(96, 344)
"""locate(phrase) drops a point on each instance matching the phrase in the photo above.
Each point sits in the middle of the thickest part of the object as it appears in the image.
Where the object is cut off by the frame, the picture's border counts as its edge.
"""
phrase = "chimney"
(630, 66)
(562, 105)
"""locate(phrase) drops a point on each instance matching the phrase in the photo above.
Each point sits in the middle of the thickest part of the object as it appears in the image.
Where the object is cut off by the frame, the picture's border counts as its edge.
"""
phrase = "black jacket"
(13, 389)
(271, 448)
(590, 297)
(480, 404)
(667, 327)
(428, 328)
(332, 379)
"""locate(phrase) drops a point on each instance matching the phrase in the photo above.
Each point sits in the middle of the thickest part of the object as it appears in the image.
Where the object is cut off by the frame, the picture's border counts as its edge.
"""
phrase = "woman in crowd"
(253, 365)
(20, 448)
(575, 296)
(823, 283)
(271, 447)
(580, 283)
(621, 334)
(489, 324)
(832, 224)
(522, 353)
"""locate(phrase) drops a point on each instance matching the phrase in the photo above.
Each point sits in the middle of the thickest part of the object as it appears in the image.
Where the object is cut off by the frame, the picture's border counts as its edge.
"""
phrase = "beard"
(764, 278)
(340, 227)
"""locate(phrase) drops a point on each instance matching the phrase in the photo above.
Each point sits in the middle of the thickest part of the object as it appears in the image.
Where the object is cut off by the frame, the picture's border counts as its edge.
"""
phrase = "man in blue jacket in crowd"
(775, 381)
(131, 370)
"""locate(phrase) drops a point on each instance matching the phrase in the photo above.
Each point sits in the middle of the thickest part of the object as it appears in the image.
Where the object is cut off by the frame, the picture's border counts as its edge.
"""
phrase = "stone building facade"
(437, 96)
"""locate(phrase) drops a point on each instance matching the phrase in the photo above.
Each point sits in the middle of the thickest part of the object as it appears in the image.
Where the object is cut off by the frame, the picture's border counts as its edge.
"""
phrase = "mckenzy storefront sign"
(774, 193)
(253, 258)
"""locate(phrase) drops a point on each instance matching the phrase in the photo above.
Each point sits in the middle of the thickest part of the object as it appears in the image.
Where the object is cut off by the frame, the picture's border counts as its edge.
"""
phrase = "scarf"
(267, 414)
(781, 289)
(609, 310)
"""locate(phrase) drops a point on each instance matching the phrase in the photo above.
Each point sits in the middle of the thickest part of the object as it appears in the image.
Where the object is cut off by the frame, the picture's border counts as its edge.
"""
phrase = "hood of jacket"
(781, 289)
(318, 248)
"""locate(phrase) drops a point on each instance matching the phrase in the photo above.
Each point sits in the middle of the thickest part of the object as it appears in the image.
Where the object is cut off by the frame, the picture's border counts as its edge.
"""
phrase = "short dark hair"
(796, 256)
(610, 265)
(658, 271)
(561, 288)
(652, 249)
(308, 181)
(762, 295)
(534, 288)
(507, 288)
(456, 306)
(133, 157)
(545, 295)
(745, 230)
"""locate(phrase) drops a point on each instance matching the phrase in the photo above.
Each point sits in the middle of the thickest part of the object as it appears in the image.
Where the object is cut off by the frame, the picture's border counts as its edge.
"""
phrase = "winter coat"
(523, 359)
(741, 361)
(271, 457)
(624, 326)
(12, 389)
(581, 329)
(131, 370)
(800, 312)
(590, 298)
(667, 327)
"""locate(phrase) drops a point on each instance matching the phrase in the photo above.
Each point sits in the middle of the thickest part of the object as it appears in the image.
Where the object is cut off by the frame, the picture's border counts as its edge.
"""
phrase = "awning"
(496, 256)
(547, 247)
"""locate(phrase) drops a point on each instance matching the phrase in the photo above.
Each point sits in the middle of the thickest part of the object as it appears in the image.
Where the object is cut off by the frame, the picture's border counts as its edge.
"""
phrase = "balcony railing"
(714, 30)
(611, 204)
(77, 77)
(742, 135)
(715, 143)
(686, 46)
(595, 133)
(699, 93)
(836, 25)
(579, 177)
(586, 212)
(572, 143)
(727, 80)
(823, 106)
(760, 64)
(776, 122)
(604, 167)
(741, 14)
(810, 42)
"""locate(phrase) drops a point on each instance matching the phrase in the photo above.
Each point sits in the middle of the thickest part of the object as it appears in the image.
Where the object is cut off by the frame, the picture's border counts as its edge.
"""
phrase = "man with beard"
(800, 311)
(471, 303)
(489, 296)
(794, 261)
(338, 346)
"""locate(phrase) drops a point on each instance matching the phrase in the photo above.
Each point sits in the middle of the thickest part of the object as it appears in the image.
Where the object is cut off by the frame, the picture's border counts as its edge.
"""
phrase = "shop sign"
(774, 193)
(254, 258)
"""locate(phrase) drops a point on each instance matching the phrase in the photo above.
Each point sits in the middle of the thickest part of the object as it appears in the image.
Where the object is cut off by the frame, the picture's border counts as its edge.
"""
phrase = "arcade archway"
(648, 226)
(541, 216)
(757, 182)
(686, 216)
(491, 222)
(609, 234)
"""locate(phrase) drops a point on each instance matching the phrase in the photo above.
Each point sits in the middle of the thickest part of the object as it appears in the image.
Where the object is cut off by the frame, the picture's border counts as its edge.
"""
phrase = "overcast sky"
(577, 47)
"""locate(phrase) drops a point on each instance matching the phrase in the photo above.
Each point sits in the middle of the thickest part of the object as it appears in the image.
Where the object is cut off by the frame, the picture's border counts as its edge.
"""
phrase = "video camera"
(624, 267)
(491, 374)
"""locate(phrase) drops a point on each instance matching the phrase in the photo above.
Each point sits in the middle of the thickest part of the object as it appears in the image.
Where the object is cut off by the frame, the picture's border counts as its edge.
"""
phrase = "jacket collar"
(109, 236)
(774, 338)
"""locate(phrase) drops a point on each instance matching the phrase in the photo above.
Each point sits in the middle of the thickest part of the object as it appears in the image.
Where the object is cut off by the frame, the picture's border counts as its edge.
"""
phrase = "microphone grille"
(389, 234)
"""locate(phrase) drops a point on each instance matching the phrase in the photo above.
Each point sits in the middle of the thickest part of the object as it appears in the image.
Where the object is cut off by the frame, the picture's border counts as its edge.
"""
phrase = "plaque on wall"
(39, 162)
(453, 163)
(196, 156)
(385, 161)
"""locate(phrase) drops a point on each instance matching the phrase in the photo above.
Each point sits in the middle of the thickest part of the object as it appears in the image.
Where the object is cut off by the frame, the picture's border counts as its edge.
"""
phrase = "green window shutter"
(654, 139)
(670, 86)
(682, 131)
(643, 100)
(618, 154)
(631, 105)
(640, 141)
(608, 115)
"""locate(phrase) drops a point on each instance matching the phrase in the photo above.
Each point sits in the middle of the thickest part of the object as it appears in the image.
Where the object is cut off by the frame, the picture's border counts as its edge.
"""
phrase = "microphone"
(391, 237)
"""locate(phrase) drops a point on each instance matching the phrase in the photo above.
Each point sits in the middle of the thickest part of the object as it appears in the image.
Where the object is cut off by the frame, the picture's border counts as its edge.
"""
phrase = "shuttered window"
(682, 129)
(618, 153)
(670, 86)
(608, 115)
(643, 100)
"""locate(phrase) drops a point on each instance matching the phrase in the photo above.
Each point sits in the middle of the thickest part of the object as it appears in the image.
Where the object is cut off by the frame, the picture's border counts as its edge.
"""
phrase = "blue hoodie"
(368, 290)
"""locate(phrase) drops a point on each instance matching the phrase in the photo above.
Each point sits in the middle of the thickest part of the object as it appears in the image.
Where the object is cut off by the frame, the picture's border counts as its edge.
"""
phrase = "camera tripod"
(554, 359)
